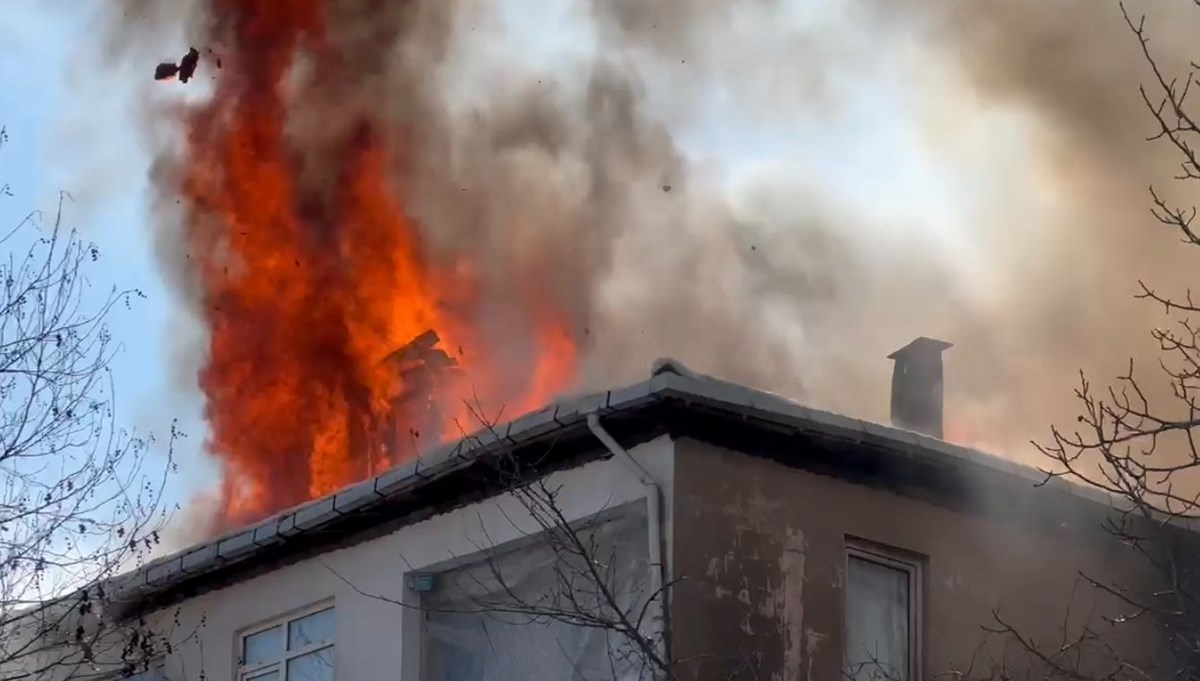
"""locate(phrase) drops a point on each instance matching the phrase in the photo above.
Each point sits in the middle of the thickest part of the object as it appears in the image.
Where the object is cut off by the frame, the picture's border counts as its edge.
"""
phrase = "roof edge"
(670, 380)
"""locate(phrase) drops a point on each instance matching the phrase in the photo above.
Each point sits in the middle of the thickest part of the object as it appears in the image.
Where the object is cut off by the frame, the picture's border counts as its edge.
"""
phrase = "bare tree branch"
(76, 503)
(1143, 451)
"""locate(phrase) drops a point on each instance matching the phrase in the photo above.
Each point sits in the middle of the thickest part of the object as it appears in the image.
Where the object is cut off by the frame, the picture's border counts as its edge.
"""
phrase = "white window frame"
(280, 663)
(154, 671)
(910, 565)
(414, 640)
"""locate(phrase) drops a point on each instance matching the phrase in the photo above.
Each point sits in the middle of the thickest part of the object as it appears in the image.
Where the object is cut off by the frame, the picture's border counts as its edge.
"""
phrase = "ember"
(312, 273)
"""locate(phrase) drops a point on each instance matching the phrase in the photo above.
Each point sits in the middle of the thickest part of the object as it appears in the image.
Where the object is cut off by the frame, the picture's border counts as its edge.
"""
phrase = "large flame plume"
(313, 274)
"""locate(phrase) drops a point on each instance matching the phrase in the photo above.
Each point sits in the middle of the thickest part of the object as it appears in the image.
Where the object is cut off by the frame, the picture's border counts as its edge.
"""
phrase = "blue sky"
(66, 138)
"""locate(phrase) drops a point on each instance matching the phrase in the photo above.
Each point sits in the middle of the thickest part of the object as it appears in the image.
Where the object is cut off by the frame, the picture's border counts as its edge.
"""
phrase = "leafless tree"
(1142, 449)
(77, 503)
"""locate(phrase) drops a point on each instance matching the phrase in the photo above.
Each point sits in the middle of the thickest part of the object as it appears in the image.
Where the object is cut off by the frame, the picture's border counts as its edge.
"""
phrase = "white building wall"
(373, 635)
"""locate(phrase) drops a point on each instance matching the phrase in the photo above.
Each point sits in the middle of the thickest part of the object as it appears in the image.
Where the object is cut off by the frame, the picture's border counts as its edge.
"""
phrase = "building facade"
(683, 527)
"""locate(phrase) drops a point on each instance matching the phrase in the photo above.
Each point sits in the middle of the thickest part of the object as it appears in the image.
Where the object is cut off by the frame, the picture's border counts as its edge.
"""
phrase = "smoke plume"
(779, 193)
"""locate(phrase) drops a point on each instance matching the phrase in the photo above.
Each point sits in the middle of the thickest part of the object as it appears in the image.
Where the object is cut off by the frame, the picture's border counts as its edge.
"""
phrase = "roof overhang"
(673, 401)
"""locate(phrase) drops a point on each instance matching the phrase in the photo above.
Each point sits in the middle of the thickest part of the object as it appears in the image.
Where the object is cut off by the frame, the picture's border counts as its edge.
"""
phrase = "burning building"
(682, 527)
(380, 273)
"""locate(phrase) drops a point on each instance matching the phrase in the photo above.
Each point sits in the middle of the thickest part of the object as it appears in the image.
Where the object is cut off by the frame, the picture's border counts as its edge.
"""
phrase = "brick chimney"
(917, 386)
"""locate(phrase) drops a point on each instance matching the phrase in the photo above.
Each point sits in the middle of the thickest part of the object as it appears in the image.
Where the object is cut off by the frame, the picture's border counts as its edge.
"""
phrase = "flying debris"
(185, 69)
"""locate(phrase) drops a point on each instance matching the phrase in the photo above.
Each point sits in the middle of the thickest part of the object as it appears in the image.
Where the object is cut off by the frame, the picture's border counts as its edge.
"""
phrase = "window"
(882, 632)
(299, 648)
(495, 619)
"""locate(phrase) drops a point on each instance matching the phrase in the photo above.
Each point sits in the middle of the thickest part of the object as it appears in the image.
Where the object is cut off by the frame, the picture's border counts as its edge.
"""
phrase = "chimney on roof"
(917, 386)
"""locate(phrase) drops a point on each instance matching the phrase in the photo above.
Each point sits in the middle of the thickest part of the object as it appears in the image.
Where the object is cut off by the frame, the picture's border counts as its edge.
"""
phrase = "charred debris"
(184, 70)
(422, 368)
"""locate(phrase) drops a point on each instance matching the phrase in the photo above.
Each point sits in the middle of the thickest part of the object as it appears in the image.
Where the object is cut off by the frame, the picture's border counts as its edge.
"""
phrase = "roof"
(751, 420)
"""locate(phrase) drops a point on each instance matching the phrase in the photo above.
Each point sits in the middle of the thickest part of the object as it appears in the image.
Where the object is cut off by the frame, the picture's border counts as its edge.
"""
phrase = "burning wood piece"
(185, 69)
(417, 348)
(421, 368)
(420, 363)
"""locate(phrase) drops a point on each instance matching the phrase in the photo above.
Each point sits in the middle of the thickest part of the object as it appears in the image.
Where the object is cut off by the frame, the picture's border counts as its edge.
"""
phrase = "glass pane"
(272, 675)
(265, 646)
(877, 618)
(316, 666)
(471, 632)
(310, 629)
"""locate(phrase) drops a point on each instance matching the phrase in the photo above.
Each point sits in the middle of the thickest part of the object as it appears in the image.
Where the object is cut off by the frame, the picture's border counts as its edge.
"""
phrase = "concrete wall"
(761, 549)
(376, 639)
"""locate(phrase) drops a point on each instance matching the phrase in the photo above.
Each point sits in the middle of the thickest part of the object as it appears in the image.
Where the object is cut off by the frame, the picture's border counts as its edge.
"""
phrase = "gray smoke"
(569, 170)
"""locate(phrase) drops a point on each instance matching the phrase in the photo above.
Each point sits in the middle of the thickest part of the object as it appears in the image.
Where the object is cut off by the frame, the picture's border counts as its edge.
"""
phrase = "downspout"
(654, 528)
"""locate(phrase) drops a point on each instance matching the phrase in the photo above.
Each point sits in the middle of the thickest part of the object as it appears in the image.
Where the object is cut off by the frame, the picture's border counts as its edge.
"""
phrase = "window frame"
(415, 640)
(911, 565)
(155, 671)
(244, 671)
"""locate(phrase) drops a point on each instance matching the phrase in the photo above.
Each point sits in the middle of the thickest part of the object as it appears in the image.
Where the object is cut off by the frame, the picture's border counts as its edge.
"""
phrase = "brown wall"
(760, 549)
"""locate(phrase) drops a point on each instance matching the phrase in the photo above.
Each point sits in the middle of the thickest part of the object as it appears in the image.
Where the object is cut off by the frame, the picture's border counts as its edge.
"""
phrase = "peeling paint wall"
(761, 550)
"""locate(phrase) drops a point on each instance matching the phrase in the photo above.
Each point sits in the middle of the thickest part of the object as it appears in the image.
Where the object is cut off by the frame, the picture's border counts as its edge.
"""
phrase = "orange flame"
(307, 287)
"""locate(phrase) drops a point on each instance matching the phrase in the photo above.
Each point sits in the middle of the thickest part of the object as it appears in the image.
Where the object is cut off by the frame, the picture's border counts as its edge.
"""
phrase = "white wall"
(372, 635)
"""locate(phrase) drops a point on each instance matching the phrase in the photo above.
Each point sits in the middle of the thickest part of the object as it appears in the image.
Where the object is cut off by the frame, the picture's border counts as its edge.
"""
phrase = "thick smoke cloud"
(568, 169)
(1073, 70)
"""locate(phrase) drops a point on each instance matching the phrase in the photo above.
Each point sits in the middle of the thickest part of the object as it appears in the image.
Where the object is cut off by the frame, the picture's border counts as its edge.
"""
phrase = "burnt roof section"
(674, 401)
